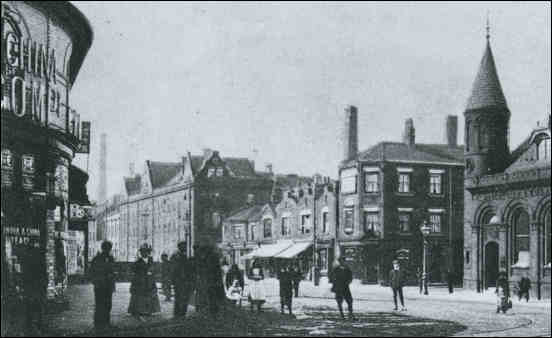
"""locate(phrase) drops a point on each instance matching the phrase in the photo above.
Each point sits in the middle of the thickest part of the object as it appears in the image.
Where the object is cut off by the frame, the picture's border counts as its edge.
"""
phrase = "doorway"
(491, 264)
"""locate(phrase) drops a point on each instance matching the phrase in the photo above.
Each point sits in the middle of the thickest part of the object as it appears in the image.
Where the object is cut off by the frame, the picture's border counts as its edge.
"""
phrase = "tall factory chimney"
(409, 134)
(451, 130)
(102, 186)
(350, 133)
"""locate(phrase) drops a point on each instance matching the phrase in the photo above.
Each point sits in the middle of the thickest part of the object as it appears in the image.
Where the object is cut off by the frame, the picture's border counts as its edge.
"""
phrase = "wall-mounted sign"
(84, 147)
(77, 212)
(28, 171)
(7, 168)
(403, 254)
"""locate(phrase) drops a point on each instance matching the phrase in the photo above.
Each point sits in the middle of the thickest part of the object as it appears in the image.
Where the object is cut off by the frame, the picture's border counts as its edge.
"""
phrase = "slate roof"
(487, 91)
(163, 172)
(247, 214)
(517, 159)
(133, 185)
(240, 167)
(398, 151)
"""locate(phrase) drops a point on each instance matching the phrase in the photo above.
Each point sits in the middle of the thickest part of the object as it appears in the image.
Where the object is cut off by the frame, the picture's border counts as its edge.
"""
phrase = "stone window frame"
(346, 177)
(371, 220)
(325, 220)
(349, 229)
(436, 181)
(515, 236)
(270, 221)
(286, 226)
(305, 227)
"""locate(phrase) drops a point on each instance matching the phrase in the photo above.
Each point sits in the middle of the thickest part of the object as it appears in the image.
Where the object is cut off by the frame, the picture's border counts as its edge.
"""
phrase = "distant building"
(388, 191)
(507, 198)
(304, 211)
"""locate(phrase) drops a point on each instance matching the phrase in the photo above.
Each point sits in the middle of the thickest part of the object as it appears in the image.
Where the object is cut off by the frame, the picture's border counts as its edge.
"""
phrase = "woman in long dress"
(257, 295)
(144, 300)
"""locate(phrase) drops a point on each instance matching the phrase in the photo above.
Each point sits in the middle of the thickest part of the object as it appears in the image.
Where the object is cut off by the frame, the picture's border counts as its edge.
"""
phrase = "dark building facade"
(388, 191)
(507, 197)
(43, 47)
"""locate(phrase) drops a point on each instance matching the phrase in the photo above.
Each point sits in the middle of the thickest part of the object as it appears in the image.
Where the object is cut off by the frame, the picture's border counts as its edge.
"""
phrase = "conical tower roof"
(487, 91)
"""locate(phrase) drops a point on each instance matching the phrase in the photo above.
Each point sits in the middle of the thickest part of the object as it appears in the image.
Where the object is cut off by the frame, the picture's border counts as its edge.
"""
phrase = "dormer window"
(220, 172)
(211, 172)
(543, 147)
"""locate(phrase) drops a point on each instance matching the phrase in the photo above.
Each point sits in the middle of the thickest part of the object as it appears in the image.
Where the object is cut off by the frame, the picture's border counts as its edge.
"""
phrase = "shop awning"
(294, 250)
(269, 250)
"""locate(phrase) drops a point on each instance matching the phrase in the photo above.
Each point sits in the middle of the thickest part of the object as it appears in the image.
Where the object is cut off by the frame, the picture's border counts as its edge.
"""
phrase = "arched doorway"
(491, 264)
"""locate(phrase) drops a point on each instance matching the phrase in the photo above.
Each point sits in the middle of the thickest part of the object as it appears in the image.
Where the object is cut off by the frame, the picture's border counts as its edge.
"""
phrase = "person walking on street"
(341, 277)
(502, 292)
(103, 277)
(420, 279)
(166, 277)
(297, 276)
(396, 280)
(234, 274)
(450, 281)
(256, 289)
(144, 300)
(183, 278)
(286, 288)
(524, 287)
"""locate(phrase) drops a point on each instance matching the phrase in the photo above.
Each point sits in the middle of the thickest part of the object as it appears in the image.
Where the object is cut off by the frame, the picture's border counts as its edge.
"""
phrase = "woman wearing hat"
(144, 300)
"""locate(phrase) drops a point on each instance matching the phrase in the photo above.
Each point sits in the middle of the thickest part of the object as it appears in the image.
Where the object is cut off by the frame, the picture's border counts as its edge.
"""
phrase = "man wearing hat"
(183, 278)
(396, 280)
(340, 277)
(103, 278)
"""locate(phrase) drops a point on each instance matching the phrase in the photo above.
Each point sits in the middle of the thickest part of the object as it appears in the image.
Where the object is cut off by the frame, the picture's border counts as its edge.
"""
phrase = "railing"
(504, 178)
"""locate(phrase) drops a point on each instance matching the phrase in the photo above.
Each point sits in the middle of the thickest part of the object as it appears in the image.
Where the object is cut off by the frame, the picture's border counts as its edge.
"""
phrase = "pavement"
(464, 313)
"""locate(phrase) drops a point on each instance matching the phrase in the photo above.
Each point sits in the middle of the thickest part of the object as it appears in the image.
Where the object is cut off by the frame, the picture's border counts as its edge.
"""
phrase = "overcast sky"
(177, 77)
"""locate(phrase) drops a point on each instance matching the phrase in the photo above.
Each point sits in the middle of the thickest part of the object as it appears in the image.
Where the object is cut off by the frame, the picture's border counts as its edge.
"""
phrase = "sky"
(270, 81)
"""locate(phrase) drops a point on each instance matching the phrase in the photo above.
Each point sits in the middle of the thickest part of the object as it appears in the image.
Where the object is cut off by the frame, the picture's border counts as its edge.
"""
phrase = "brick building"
(388, 191)
(303, 215)
(507, 197)
(183, 201)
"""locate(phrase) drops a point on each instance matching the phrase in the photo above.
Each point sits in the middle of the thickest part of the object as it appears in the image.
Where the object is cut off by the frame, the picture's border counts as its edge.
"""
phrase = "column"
(535, 258)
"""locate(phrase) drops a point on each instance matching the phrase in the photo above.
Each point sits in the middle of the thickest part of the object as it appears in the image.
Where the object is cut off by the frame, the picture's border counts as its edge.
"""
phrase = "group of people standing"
(199, 275)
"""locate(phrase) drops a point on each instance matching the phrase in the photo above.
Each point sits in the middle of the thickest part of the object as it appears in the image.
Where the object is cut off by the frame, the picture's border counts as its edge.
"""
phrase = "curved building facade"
(43, 47)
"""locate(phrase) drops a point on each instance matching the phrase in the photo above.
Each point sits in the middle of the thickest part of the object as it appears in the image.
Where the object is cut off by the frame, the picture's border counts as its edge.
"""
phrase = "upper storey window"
(349, 181)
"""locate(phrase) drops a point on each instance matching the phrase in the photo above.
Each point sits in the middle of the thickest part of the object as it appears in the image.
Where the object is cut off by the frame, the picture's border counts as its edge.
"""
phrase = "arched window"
(520, 232)
(548, 238)
(486, 217)
(468, 135)
(267, 227)
(483, 137)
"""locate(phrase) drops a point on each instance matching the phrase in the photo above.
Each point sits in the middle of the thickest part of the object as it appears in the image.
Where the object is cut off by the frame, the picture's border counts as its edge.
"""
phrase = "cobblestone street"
(315, 314)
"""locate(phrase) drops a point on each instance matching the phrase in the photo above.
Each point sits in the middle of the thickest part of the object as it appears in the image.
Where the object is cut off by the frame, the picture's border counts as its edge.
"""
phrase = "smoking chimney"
(350, 133)
(102, 186)
(452, 130)
(409, 135)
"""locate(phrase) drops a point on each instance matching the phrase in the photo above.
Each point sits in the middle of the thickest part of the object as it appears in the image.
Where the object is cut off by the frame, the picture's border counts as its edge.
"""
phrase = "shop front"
(43, 47)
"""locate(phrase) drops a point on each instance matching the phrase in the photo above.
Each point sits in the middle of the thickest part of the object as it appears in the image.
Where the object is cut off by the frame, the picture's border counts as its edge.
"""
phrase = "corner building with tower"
(507, 193)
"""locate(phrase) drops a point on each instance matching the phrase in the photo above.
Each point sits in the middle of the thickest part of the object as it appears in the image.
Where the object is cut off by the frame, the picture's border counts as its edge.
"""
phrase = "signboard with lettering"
(28, 171)
(7, 168)
(21, 234)
(84, 147)
(403, 254)
(512, 194)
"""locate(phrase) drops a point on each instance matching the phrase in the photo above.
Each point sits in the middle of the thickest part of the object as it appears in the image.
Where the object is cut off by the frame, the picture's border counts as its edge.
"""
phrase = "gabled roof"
(240, 167)
(487, 91)
(133, 185)
(247, 214)
(163, 172)
(398, 151)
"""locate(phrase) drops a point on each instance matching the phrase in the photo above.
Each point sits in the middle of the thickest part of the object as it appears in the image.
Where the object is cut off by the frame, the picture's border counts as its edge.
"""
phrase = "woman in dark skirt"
(144, 300)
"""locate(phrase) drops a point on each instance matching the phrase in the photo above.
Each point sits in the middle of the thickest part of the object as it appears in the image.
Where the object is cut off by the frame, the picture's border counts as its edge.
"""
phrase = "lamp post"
(426, 230)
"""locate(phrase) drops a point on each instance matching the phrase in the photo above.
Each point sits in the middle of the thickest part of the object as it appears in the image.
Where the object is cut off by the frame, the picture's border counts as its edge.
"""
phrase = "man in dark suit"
(183, 278)
(103, 277)
(396, 280)
(341, 276)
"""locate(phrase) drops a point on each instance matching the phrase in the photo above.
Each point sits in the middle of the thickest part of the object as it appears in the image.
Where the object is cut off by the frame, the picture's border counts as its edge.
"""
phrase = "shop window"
(404, 182)
(404, 222)
(435, 184)
(371, 182)
(348, 220)
(521, 233)
(267, 228)
(435, 223)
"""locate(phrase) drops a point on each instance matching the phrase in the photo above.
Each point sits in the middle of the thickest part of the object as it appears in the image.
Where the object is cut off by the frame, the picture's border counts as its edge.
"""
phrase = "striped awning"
(294, 250)
(268, 250)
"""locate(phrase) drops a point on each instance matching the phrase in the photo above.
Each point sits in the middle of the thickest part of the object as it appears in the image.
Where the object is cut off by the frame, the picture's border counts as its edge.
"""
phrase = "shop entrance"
(491, 264)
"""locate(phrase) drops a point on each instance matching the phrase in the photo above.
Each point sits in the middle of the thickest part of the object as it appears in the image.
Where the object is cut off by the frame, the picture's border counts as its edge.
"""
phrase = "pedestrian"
(297, 276)
(34, 283)
(202, 296)
(215, 286)
(256, 289)
(341, 277)
(420, 279)
(502, 291)
(183, 279)
(450, 281)
(225, 268)
(102, 272)
(286, 288)
(396, 280)
(234, 274)
(524, 286)
(144, 300)
(166, 277)
(234, 293)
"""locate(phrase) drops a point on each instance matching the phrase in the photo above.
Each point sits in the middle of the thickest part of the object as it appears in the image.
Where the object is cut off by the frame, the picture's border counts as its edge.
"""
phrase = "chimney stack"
(207, 153)
(409, 135)
(350, 133)
(269, 168)
(452, 130)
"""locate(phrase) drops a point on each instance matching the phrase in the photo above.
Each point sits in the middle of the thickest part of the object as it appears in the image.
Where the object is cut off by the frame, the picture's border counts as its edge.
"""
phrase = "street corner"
(326, 321)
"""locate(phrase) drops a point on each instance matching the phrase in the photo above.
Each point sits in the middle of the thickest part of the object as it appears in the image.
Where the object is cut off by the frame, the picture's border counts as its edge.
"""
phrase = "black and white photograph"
(276, 169)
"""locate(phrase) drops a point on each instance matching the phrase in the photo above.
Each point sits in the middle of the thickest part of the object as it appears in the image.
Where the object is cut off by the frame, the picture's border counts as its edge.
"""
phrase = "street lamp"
(426, 230)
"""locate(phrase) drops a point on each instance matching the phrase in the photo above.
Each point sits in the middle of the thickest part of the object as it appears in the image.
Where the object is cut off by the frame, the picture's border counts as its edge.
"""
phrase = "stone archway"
(491, 262)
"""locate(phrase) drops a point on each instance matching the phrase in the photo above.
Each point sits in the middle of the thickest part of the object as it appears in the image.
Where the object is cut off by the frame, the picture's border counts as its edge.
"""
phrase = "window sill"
(372, 192)
(405, 194)
(436, 195)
